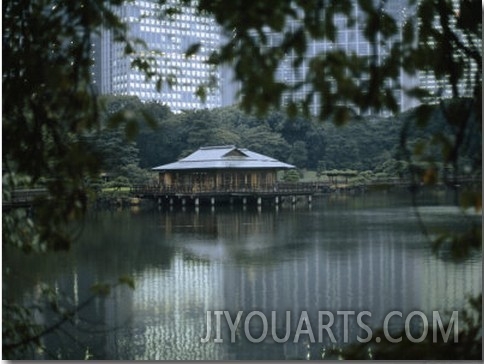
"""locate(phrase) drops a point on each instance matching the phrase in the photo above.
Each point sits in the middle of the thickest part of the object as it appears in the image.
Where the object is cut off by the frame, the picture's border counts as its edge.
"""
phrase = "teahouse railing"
(282, 187)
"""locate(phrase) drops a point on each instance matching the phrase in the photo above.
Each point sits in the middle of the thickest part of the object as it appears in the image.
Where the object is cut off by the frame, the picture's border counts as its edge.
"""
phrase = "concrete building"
(349, 39)
(169, 37)
(172, 35)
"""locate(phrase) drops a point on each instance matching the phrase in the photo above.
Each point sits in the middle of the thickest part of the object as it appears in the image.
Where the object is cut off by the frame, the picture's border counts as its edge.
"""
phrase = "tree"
(262, 140)
(299, 154)
(327, 74)
(150, 140)
(113, 150)
(48, 106)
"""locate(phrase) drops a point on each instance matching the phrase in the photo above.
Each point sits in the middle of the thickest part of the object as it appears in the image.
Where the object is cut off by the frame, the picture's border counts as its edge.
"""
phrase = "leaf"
(430, 176)
(298, 41)
(201, 93)
(128, 49)
(423, 113)
(341, 116)
(127, 280)
(131, 129)
(159, 84)
(171, 80)
(419, 147)
(408, 32)
(116, 119)
(470, 16)
(101, 289)
(192, 50)
(471, 199)
(291, 109)
(418, 93)
(366, 5)
(149, 119)
(172, 11)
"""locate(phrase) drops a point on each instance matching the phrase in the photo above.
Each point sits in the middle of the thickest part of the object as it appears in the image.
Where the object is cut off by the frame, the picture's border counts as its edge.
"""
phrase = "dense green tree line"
(367, 143)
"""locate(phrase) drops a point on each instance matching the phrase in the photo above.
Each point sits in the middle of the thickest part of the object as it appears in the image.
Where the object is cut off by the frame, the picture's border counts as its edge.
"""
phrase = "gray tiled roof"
(224, 157)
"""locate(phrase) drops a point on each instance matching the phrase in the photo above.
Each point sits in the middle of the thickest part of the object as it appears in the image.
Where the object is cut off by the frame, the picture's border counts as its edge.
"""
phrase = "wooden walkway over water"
(282, 191)
(196, 195)
(276, 194)
(23, 198)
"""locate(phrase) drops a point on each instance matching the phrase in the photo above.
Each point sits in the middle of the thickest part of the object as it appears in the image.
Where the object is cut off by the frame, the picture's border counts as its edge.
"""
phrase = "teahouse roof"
(224, 157)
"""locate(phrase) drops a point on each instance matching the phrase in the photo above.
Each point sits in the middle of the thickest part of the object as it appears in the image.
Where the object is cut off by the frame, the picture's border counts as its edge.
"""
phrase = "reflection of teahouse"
(221, 168)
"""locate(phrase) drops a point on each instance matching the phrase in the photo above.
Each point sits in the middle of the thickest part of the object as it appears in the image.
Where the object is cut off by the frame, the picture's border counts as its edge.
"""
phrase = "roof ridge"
(217, 147)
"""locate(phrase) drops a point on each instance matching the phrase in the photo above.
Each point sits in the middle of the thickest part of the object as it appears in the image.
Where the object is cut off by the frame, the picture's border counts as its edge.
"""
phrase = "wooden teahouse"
(221, 169)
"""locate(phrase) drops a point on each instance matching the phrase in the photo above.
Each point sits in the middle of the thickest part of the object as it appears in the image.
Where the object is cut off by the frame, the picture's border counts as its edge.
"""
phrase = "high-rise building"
(172, 35)
(350, 39)
(169, 37)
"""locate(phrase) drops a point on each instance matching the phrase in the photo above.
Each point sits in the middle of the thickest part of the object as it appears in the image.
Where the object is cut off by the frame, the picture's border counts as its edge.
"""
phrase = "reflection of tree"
(109, 247)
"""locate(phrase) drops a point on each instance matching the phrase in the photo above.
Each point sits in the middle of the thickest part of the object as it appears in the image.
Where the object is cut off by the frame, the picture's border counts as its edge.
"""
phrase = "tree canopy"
(440, 39)
(365, 143)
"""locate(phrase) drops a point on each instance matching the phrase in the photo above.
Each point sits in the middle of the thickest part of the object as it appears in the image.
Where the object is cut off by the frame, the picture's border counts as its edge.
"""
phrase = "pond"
(351, 253)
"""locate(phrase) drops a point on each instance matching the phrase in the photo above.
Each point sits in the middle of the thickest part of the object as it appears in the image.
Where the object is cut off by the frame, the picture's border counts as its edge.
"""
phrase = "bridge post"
(293, 200)
(310, 199)
(276, 200)
(197, 201)
(259, 201)
(212, 201)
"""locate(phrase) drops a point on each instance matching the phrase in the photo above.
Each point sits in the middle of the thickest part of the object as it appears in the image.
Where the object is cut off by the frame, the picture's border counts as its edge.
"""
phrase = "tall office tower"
(350, 39)
(171, 36)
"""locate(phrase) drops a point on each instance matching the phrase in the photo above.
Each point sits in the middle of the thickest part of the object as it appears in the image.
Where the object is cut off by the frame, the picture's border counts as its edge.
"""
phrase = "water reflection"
(346, 253)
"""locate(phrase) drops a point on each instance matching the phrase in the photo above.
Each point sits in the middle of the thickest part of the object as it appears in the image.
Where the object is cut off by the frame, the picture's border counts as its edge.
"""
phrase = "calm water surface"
(353, 253)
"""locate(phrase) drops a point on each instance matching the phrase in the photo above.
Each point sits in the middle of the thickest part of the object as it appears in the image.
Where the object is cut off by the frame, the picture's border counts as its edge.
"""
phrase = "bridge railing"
(27, 195)
(281, 187)
(21, 197)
